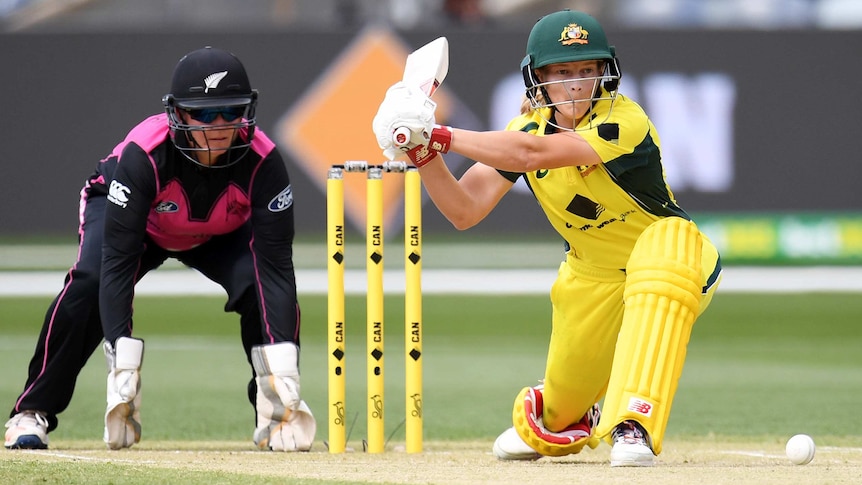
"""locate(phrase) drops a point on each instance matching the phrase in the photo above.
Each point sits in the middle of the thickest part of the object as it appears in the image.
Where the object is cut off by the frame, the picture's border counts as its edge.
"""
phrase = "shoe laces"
(593, 416)
(29, 419)
(631, 433)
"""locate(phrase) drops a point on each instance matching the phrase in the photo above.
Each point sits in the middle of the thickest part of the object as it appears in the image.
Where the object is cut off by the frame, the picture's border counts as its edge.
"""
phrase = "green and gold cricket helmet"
(568, 36)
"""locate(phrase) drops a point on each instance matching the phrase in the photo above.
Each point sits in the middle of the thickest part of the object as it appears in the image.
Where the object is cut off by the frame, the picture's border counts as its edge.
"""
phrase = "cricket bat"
(426, 68)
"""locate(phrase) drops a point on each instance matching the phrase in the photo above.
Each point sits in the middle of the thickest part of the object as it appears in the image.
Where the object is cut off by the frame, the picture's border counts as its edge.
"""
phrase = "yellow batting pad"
(527, 418)
(662, 300)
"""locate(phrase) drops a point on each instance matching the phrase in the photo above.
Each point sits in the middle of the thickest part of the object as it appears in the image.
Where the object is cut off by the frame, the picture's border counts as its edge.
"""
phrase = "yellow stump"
(335, 307)
(413, 308)
(374, 308)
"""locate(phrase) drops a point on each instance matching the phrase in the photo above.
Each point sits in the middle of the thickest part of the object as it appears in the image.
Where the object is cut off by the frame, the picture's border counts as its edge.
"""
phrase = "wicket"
(374, 303)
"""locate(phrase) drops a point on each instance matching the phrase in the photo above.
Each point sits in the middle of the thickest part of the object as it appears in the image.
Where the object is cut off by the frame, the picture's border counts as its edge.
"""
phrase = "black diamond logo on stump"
(376, 257)
(338, 354)
(414, 258)
(415, 354)
(377, 354)
(338, 257)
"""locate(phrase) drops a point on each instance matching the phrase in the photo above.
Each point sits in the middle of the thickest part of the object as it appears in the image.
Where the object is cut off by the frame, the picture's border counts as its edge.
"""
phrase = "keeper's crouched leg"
(527, 418)
(284, 421)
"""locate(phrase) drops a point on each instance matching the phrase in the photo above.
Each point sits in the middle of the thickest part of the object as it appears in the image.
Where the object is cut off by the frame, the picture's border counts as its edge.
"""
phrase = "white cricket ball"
(800, 449)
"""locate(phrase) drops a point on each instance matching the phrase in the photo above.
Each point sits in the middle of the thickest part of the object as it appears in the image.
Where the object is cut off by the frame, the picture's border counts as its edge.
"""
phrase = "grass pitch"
(760, 368)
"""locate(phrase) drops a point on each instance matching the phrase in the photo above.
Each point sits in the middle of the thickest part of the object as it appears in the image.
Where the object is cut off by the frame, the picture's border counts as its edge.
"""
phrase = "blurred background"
(150, 15)
(755, 101)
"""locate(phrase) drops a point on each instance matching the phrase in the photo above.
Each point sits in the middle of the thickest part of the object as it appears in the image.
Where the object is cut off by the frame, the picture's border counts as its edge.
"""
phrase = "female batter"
(637, 273)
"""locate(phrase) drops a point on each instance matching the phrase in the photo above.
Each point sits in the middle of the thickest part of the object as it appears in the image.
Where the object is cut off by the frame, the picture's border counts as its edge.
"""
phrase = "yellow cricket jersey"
(601, 210)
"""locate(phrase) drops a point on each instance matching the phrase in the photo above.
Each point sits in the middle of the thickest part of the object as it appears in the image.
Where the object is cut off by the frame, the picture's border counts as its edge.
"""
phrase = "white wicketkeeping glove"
(123, 414)
(403, 107)
(284, 421)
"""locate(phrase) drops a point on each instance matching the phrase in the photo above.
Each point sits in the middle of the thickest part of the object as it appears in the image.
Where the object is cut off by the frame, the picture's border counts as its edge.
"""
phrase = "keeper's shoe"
(510, 447)
(27, 430)
(631, 446)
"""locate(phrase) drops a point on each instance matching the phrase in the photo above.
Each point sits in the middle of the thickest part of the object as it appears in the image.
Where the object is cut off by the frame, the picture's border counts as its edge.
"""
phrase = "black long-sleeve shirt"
(157, 196)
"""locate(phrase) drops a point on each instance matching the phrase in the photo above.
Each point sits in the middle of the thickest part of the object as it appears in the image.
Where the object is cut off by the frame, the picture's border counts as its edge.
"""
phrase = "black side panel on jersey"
(640, 174)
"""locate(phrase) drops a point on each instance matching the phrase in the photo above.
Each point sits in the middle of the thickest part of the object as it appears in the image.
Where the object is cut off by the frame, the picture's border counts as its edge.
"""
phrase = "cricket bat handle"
(401, 136)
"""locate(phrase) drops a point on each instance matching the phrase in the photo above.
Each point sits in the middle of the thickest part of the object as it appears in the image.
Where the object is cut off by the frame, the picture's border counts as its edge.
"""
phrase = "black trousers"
(72, 329)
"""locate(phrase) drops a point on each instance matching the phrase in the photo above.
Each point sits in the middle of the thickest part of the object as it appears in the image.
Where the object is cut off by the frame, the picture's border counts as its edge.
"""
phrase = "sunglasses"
(208, 115)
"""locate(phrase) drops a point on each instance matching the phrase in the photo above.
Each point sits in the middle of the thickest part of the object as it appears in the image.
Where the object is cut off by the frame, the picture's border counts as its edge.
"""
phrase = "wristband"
(420, 155)
(441, 138)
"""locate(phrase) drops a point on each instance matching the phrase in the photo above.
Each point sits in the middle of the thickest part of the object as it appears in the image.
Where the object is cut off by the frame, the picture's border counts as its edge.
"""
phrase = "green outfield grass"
(757, 365)
(760, 367)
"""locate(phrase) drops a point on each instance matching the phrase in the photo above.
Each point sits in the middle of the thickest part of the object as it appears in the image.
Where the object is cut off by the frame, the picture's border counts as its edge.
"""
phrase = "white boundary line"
(181, 282)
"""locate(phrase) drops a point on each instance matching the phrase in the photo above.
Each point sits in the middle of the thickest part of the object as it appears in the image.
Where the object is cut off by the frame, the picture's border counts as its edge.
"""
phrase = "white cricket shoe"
(509, 446)
(631, 445)
(27, 430)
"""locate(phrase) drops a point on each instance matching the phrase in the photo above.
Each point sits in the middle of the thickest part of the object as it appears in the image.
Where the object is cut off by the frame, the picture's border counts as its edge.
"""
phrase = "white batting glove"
(404, 119)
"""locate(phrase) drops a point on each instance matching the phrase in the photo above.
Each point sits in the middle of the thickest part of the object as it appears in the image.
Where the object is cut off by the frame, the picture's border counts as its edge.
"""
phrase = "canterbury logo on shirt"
(282, 201)
(118, 194)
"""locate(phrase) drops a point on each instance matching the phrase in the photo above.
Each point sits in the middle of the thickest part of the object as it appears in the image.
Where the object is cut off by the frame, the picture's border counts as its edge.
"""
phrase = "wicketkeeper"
(638, 271)
(200, 183)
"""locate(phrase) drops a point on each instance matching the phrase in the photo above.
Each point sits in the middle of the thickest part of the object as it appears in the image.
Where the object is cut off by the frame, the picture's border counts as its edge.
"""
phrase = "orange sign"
(331, 123)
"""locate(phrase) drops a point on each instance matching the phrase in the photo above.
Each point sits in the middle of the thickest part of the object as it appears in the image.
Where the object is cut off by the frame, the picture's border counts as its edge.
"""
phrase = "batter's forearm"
(504, 150)
(518, 151)
(450, 198)
(464, 202)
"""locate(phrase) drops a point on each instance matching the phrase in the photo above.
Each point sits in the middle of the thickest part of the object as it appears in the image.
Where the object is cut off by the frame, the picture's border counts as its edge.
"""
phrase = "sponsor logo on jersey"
(118, 194)
(587, 169)
(621, 218)
(584, 207)
(167, 206)
(282, 201)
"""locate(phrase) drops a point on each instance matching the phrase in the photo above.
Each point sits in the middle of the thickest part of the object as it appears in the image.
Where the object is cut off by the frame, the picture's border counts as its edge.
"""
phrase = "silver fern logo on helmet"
(213, 79)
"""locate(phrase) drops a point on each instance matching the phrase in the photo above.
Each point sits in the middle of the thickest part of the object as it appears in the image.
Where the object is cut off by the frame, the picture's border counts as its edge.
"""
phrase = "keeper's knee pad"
(662, 299)
(527, 419)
